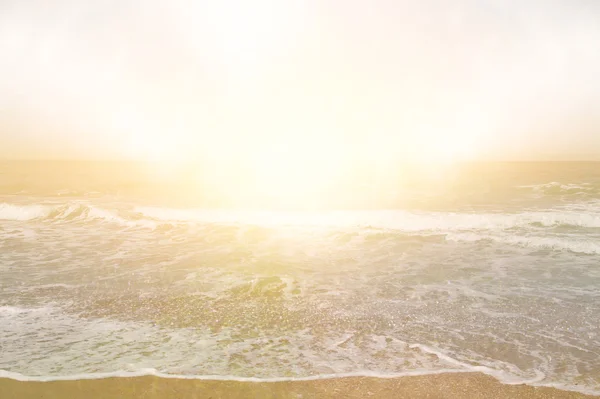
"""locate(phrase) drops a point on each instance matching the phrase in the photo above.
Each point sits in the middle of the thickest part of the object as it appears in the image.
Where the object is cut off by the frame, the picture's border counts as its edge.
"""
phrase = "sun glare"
(450, 150)
(296, 170)
(293, 169)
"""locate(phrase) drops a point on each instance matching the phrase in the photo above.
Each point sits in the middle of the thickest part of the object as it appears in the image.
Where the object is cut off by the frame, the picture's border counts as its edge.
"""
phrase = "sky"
(291, 81)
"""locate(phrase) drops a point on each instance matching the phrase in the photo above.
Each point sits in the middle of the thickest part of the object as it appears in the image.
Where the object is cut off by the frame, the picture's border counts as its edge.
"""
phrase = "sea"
(119, 269)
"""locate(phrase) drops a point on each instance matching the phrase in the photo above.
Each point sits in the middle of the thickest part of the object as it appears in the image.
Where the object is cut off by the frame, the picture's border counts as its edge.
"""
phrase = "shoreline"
(444, 385)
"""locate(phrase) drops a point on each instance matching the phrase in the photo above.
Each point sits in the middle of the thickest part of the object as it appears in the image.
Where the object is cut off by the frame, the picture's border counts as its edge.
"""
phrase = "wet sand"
(452, 385)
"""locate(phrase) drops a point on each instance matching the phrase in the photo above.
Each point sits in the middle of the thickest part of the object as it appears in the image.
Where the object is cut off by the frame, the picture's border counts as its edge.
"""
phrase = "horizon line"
(115, 160)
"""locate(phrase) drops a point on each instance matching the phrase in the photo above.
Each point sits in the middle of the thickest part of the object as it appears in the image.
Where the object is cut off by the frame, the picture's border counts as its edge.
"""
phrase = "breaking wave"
(588, 247)
(559, 189)
(71, 212)
(405, 221)
(27, 212)
(392, 220)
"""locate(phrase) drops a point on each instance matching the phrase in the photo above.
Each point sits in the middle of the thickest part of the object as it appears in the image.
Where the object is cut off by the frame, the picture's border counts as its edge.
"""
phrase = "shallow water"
(498, 274)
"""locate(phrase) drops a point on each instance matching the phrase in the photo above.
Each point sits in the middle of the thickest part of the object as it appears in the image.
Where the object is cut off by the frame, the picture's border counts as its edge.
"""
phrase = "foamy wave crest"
(87, 213)
(150, 372)
(100, 214)
(588, 247)
(76, 212)
(155, 373)
(411, 222)
(83, 212)
(564, 218)
(7, 311)
(556, 188)
(393, 220)
(22, 212)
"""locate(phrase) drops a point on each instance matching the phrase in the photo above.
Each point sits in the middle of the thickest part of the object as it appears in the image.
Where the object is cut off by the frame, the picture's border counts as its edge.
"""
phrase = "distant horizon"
(400, 161)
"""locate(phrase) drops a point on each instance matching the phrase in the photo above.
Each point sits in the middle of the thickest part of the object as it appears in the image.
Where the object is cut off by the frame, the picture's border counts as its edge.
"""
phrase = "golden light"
(150, 147)
(296, 169)
(264, 146)
(450, 149)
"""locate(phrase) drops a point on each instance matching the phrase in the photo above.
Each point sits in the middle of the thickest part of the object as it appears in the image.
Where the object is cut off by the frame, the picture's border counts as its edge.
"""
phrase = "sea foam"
(22, 212)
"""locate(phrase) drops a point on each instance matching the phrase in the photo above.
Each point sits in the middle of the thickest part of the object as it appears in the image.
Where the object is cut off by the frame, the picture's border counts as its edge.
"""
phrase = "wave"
(502, 377)
(22, 212)
(392, 220)
(399, 220)
(69, 212)
(14, 310)
(155, 373)
(556, 188)
(587, 247)
(525, 229)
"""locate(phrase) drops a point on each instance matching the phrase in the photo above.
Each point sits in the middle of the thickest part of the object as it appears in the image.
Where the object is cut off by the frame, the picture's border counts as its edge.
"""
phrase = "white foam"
(156, 373)
(57, 336)
(71, 211)
(499, 375)
(583, 246)
(149, 372)
(54, 344)
(22, 212)
(386, 219)
(560, 187)
(382, 219)
(7, 311)
(55, 285)
(109, 216)
(60, 346)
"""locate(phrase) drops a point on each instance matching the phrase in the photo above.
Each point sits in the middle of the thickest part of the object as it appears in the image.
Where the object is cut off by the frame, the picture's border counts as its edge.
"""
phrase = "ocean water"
(480, 267)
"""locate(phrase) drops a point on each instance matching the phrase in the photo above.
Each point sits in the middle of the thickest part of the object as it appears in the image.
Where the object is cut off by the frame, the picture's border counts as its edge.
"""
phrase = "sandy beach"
(456, 386)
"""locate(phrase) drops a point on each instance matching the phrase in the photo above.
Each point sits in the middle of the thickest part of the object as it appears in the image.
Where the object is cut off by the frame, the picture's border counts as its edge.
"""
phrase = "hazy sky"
(378, 78)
